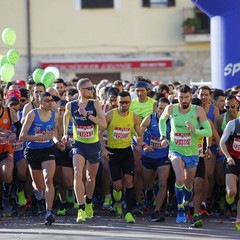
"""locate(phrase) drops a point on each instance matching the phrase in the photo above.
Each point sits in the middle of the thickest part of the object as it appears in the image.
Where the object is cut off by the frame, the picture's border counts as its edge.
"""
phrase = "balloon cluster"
(46, 76)
(8, 61)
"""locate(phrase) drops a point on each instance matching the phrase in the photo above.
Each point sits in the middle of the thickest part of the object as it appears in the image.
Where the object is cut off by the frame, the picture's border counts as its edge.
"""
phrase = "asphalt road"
(106, 226)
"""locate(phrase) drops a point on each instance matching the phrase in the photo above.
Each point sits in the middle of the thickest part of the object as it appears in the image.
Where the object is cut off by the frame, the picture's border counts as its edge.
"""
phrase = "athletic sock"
(130, 198)
(187, 194)
(179, 195)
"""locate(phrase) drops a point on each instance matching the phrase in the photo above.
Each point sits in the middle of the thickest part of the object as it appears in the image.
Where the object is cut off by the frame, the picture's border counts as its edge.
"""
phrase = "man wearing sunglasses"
(39, 132)
(87, 115)
(231, 107)
(119, 153)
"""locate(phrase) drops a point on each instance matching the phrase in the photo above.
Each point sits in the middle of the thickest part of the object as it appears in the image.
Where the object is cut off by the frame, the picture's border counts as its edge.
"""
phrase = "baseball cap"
(21, 83)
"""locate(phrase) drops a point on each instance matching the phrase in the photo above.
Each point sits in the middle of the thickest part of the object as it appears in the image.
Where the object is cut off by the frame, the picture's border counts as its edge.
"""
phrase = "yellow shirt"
(120, 130)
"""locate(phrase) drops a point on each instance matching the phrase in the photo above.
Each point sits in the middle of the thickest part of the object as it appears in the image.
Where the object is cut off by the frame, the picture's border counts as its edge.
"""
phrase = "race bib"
(105, 137)
(17, 145)
(40, 132)
(85, 131)
(182, 139)
(236, 144)
(121, 133)
(71, 139)
(155, 143)
(200, 149)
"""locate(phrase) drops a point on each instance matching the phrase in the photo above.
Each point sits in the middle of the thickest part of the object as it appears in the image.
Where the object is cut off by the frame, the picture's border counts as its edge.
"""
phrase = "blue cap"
(140, 84)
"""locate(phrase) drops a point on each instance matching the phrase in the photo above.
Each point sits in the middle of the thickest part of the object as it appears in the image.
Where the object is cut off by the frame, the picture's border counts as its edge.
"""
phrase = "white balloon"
(54, 70)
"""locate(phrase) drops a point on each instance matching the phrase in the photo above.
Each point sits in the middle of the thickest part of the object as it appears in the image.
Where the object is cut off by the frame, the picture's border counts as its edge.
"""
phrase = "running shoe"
(81, 217)
(107, 202)
(237, 226)
(62, 211)
(230, 200)
(196, 221)
(75, 205)
(89, 210)
(129, 218)
(138, 210)
(157, 217)
(181, 216)
(148, 203)
(28, 205)
(204, 212)
(113, 208)
(21, 198)
(49, 218)
(41, 206)
(7, 211)
(118, 209)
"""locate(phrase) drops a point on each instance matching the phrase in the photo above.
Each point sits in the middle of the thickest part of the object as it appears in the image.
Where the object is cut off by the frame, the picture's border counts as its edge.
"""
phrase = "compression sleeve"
(163, 126)
(206, 131)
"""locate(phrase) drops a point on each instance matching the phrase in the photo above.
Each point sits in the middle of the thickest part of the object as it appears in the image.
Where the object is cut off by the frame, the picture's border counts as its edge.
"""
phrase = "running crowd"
(163, 149)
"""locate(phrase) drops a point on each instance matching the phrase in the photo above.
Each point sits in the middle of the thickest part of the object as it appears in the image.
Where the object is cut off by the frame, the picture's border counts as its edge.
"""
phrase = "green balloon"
(7, 72)
(47, 79)
(3, 61)
(13, 56)
(37, 74)
(9, 36)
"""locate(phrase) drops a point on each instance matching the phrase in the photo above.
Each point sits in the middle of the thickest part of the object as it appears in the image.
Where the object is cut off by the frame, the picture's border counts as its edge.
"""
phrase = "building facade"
(114, 39)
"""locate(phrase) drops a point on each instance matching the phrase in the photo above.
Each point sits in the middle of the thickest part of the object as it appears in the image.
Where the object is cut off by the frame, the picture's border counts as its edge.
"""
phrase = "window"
(158, 3)
(97, 4)
(205, 21)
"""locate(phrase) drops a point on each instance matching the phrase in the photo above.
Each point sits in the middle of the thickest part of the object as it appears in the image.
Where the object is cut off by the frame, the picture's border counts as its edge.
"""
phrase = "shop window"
(158, 3)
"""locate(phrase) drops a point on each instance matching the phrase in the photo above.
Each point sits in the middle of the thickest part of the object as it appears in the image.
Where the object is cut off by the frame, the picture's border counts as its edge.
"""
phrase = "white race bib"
(17, 145)
(85, 131)
(182, 139)
(121, 133)
(155, 143)
(236, 144)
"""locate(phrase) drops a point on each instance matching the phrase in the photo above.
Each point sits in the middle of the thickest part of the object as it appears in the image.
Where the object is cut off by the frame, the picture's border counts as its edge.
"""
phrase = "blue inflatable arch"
(225, 40)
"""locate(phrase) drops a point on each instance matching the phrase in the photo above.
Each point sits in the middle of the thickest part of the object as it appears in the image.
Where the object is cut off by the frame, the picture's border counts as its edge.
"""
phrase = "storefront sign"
(110, 65)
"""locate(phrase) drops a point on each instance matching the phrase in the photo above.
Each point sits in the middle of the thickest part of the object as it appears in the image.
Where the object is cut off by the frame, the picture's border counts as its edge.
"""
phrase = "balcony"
(196, 25)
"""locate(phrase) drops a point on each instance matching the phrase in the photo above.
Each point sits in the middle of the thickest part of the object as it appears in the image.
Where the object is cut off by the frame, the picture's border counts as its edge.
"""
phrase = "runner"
(87, 115)
(120, 122)
(39, 132)
(183, 146)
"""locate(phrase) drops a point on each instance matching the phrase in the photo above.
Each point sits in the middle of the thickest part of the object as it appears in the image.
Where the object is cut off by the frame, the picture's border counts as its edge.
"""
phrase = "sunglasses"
(231, 106)
(88, 88)
(48, 100)
(124, 102)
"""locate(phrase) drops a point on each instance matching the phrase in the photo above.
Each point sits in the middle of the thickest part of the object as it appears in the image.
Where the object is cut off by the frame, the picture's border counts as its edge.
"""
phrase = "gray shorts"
(90, 151)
